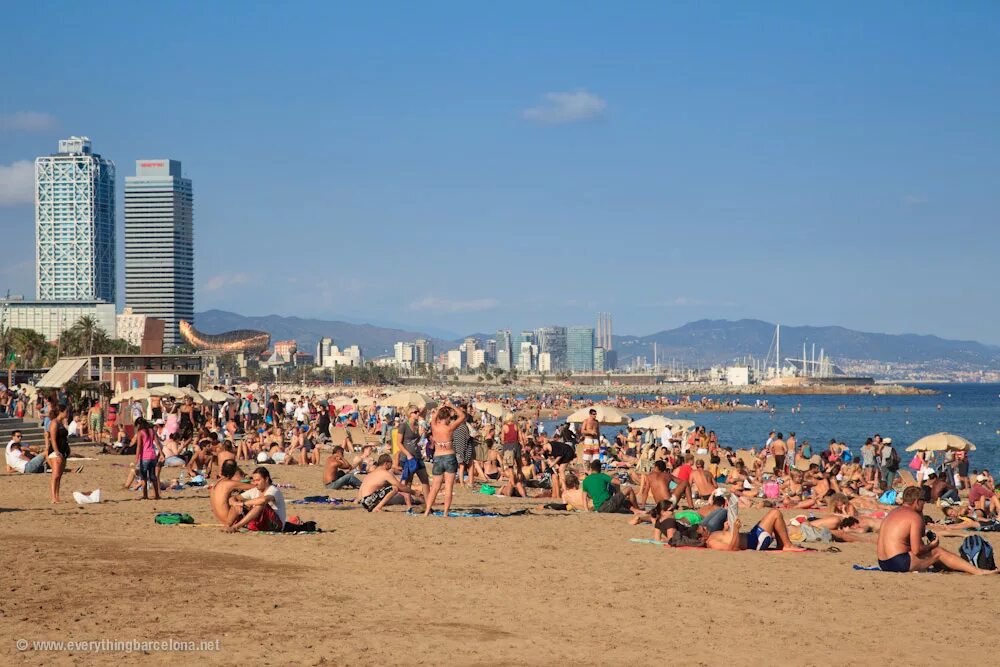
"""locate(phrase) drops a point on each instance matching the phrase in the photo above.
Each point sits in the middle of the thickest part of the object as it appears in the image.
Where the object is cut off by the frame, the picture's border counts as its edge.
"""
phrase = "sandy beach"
(541, 589)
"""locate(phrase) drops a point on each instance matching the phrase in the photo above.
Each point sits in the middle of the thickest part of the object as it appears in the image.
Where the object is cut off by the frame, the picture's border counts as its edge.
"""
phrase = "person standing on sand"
(900, 545)
(779, 449)
(443, 424)
(590, 430)
(57, 448)
(147, 457)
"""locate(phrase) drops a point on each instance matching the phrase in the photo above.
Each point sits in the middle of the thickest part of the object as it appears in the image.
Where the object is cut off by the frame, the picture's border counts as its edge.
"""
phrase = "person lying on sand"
(380, 487)
(769, 532)
(900, 545)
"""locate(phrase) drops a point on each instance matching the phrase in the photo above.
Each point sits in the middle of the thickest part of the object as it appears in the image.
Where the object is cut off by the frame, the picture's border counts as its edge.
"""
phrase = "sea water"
(969, 410)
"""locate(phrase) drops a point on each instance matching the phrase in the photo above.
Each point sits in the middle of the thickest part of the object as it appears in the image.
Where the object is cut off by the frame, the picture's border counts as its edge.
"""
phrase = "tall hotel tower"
(75, 224)
(159, 245)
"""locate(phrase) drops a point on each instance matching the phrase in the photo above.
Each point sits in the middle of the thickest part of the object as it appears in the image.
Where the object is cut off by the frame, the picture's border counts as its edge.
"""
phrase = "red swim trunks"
(268, 521)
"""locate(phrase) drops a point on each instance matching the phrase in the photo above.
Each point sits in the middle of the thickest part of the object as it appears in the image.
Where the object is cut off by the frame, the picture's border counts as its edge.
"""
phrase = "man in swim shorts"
(769, 532)
(380, 487)
(262, 507)
(900, 545)
(590, 431)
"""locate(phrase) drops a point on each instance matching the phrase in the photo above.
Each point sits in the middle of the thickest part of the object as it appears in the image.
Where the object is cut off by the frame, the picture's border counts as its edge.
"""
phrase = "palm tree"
(30, 346)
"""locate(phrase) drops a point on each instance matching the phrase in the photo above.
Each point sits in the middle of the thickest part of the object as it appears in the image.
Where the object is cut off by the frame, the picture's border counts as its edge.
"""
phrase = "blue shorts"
(147, 470)
(898, 563)
(759, 539)
(445, 463)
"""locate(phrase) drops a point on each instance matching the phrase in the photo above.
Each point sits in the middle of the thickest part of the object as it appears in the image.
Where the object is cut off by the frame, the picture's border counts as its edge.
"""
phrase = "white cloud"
(27, 121)
(217, 282)
(17, 183)
(566, 107)
(449, 306)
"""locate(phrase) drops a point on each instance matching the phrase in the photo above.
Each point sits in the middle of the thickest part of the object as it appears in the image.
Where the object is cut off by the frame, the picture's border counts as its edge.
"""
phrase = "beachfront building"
(580, 349)
(544, 362)
(476, 359)
(403, 354)
(285, 350)
(469, 346)
(323, 349)
(516, 346)
(504, 353)
(552, 340)
(527, 358)
(491, 352)
(51, 318)
(455, 360)
(423, 351)
(159, 245)
(599, 359)
(75, 224)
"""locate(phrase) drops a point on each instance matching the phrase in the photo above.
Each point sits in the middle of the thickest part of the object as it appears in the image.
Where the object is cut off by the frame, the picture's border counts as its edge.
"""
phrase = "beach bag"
(888, 498)
(771, 490)
(814, 534)
(172, 518)
(978, 551)
(916, 463)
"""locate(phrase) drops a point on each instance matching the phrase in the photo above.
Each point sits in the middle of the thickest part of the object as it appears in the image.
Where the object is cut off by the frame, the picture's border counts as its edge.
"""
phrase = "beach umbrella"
(941, 442)
(216, 396)
(683, 424)
(167, 390)
(606, 414)
(494, 409)
(407, 398)
(340, 400)
(652, 422)
(140, 394)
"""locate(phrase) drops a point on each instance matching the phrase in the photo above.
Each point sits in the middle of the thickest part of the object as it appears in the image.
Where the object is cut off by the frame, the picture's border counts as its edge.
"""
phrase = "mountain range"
(700, 343)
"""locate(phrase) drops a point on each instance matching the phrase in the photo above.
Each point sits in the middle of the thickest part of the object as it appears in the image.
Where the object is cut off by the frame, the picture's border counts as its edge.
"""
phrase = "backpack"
(978, 551)
(893, 464)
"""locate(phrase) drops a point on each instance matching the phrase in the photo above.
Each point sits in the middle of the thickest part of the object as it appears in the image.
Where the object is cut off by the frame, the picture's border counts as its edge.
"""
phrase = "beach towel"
(472, 513)
(888, 498)
(318, 500)
(867, 568)
(172, 518)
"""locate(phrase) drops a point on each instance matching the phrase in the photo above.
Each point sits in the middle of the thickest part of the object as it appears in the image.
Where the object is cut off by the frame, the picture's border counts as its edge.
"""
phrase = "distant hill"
(719, 341)
(374, 341)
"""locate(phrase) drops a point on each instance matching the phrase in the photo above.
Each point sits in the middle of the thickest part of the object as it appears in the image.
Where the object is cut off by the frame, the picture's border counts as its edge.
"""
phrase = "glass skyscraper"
(580, 349)
(159, 245)
(75, 224)
(504, 352)
(552, 340)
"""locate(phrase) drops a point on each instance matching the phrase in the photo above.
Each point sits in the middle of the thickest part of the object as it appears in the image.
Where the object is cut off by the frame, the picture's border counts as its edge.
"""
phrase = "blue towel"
(868, 568)
(323, 500)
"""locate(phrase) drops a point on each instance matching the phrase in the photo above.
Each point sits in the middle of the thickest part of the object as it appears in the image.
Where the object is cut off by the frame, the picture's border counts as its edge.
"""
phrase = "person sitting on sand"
(21, 459)
(260, 508)
(703, 483)
(606, 494)
(574, 496)
(900, 545)
(337, 471)
(230, 482)
(682, 476)
(656, 482)
(769, 532)
(380, 487)
(225, 452)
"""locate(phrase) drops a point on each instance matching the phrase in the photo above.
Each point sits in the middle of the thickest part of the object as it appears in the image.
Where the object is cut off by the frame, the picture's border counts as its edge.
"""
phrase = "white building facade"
(51, 318)
(75, 224)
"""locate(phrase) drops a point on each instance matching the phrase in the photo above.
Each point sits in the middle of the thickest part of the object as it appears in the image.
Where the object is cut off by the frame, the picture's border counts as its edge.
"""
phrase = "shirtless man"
(769, 530)
(381, 487)
(779, 449)
(656, 482)
(702, 481)
(336, 473)
(443, 424)
(226, 513)
(574, 496)
(226, 452)
(900, 542)
(590, 431)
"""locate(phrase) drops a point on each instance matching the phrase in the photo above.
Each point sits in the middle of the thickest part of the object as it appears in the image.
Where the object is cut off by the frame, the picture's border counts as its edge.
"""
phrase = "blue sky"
(463, 167)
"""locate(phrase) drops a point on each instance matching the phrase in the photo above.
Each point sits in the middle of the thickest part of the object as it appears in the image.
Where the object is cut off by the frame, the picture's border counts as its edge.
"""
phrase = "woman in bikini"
(443, 424)
(57, 448)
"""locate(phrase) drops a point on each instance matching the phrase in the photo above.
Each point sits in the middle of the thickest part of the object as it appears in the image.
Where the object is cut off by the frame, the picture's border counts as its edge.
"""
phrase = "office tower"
(515, 346)
(552, 340)
(424, 351)
(75, 224)
(604, 334)
(403, 353)
(324, 348)
(504, 356)
(580, 349)
(159, 245)
(491, 352)
(599, 359)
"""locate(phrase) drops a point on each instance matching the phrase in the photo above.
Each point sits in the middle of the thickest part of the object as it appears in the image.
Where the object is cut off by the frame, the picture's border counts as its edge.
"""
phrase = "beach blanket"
(639, 540)
(471, 513)
(318, 500)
